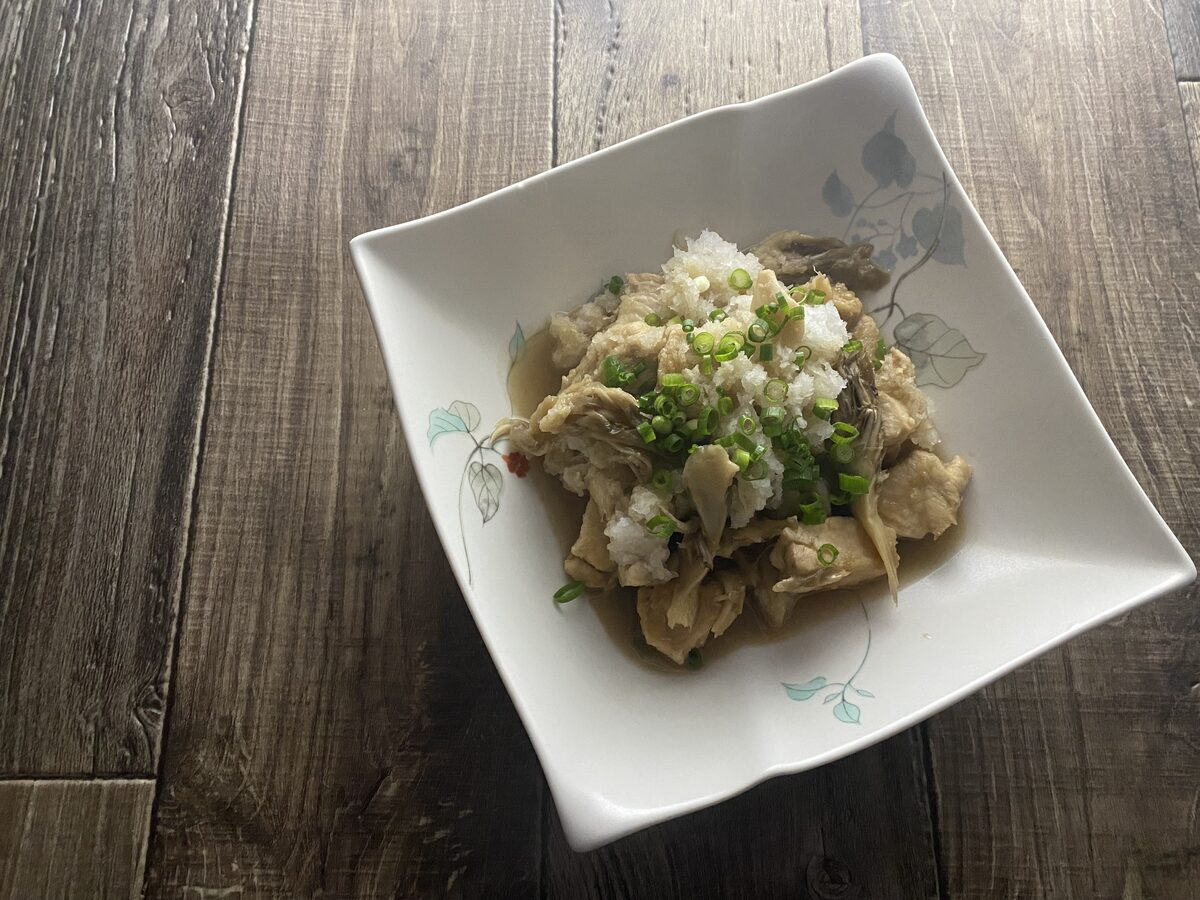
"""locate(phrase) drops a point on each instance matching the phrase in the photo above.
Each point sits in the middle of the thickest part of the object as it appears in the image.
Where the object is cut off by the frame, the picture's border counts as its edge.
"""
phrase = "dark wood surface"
(195, 428)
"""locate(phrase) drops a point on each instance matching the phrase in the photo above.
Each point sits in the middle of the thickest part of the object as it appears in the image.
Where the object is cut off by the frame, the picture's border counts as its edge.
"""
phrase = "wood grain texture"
(1189, 94)
(1183, 29)
(857, 828)
(1078, 775)
(626, 66)
(118, 123)
(336, 726)
(73, 838)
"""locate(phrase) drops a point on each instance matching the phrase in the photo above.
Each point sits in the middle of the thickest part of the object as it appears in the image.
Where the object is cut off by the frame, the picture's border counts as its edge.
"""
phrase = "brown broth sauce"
(533, 378)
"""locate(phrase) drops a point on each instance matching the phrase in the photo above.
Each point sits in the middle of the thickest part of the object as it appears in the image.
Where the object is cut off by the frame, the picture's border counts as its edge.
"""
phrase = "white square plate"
(1056, 535)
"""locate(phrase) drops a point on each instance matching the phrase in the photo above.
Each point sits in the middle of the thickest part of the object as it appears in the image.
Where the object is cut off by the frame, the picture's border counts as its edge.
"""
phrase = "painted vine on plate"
(846, 710)
(480, 474)
(908, 215)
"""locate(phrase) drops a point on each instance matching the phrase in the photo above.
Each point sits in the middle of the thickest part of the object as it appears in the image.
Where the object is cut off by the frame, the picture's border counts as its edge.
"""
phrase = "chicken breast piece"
(921, 494)
(716, 602)
(589, 560)
(760, 576)
(903, 407)
(795, 556)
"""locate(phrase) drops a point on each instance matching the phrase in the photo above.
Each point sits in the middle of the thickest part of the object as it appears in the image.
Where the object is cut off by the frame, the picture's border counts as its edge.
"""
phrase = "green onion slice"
(852, 346)
(661, 526)
(746, 425)
(673, 379)
(766, 352)
(843, 454)
(826, 554)
(803, 353)
(759, 331)
(569, 591)
(653, 319)
(776, 390)
(757, 470)
(725, 406)
(824, 407)
(673, 442)
(694, 658)
(661, 425)
(844, 433)
(646, 430)
(615, 284)
(717, 315)
(703, 343)
(707, 420)
(688, 394)
(740, 280)
(661, 479)
(853, 484)
(741, 459)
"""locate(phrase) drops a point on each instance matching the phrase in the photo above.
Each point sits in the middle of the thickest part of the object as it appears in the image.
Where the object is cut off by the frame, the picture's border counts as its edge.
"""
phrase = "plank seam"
(935, 822)
(191, 512)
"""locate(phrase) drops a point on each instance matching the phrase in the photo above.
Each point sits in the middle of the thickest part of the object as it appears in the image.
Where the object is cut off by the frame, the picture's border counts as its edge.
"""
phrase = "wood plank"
(1183, 28)
(1189, 92)
(861, 824)
(73, 838)
(337, 727)
(1077, 776)
(116, 137)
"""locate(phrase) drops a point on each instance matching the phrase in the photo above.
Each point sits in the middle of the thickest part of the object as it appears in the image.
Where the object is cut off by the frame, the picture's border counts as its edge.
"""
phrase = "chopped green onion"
(795, 312)
(690, 337)
(646, 430)
(843, 454)
(665, 405)
(706, 365)
(744, 441)
(759, 331)
(694, 658)
(839, 498)
(673, 442)
(688, 325)
(802, 352)
(852, 346)
(740, 280)
(615, 284)
(646, 402)
(766, 352)
(675, 320)
(880, 353)
(757, 452)
(824, 407)
(703, 343)
(826, 554)
(741, 459)
(725, 406)
(843, 433)
(766, 311)
(661, 479)
(757, 470)
(816, 298)
(688, 394)
(569, 591)
(661, 526)
(673, 379)
(717, 315)
(853, 484)
(776, 390)
(661, 425)
(611, 371)
(746, 425)
(729, 346)
(772, 421)
(812, 513)
(781, 301)
(707, 420)
(653, 319)
(692, 428)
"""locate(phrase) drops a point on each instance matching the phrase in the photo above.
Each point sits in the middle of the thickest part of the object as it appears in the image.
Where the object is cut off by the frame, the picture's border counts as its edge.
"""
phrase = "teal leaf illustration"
(836, 195)
(468, 413)
(806, 690)
(486, 484)
(861, 692)
(942, 355)
(847, 712)
(925, 223)
(516, 344)
(886, 258)
(442, 421)
(886, 157)
(906, 246)
(829, 698)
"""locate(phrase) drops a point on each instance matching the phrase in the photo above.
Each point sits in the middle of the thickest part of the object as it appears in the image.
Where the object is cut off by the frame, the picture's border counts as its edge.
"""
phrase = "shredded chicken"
(921, 494)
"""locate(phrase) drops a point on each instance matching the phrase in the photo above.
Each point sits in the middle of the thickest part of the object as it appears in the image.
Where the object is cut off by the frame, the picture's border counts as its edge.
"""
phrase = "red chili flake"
(517, 463)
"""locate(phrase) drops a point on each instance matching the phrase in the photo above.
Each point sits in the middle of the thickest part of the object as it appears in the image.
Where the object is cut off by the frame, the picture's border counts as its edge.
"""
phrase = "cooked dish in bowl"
(740, 431)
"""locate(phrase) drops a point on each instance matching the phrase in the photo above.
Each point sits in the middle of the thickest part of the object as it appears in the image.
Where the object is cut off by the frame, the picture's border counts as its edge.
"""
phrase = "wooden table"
(233, 661)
